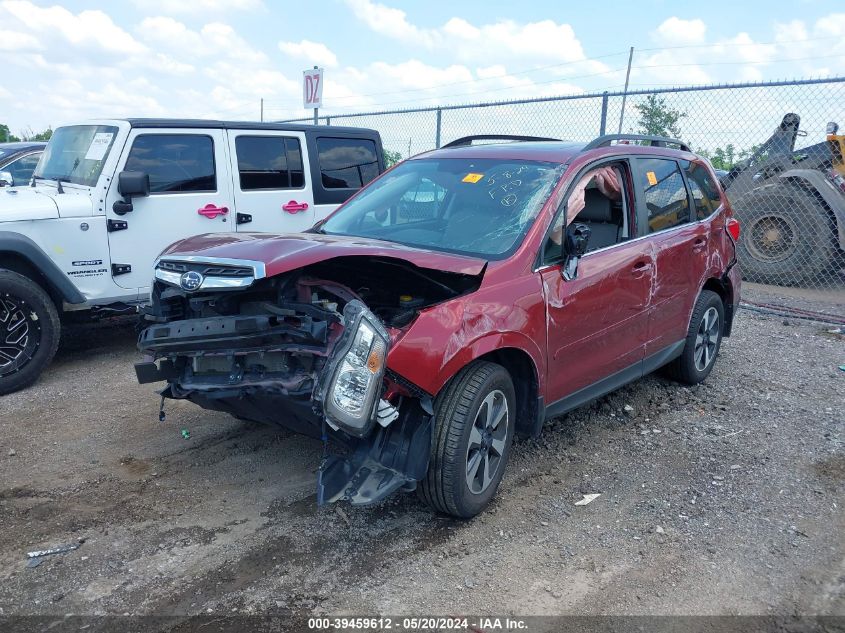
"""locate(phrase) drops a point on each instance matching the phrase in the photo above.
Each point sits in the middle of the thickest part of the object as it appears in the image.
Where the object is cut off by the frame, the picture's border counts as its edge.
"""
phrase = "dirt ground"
(725, 498)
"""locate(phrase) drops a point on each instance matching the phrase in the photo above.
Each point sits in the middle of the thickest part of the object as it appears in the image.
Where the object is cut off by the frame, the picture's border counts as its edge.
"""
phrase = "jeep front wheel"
(474, 421)
(29, 331)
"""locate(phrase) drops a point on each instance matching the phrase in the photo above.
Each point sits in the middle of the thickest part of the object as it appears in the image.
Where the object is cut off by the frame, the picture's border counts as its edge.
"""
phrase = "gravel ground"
(725, 498)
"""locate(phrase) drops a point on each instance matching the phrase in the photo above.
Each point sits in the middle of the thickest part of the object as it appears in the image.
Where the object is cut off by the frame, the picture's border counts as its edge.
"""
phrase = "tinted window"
(269, 162)
(665, 194)
(705, 192)
(174, 162)
(22, 168)
(346, 163)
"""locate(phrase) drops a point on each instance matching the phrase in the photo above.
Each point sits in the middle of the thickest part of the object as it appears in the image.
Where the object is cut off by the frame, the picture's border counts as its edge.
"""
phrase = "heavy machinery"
(791, 206)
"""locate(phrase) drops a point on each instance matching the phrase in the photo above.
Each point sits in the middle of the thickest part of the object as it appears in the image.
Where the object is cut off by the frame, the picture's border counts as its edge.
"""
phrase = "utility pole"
(316, 110)
(625, 92)
(262, 109)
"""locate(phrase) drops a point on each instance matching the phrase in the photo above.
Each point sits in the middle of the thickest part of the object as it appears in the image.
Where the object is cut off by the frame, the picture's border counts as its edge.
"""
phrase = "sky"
(218, 58)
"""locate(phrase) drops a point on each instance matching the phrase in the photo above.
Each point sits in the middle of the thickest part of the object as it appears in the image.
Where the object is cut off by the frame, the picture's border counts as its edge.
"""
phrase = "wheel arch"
(23, 256)
(722, 287)
(519, 362)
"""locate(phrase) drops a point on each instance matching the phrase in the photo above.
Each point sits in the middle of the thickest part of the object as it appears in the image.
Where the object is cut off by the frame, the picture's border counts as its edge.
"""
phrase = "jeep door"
(680, 243)
(190, 193)
(597, 323)
(273, 191)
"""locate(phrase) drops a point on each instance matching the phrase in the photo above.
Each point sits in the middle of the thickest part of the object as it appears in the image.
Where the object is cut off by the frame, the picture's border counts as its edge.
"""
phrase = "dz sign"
(312, 88)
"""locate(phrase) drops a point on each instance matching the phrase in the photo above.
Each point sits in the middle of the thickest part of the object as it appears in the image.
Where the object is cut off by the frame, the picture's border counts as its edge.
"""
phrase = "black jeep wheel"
(474, 419)
(786, 237)
(29, 331)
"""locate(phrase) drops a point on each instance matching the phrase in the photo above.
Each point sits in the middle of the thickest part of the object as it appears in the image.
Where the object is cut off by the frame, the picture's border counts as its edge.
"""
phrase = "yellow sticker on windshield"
(473, 178)
(652, 179)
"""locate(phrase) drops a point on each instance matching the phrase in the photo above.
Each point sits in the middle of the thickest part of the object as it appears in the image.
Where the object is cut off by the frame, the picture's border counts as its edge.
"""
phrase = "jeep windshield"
(76, 154)
(478, 207)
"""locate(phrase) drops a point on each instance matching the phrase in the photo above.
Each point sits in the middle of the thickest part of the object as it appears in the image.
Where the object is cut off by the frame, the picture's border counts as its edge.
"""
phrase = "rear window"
(665, 194)
(269, 162)
(346, 163)
(175, 162)
(705, 192)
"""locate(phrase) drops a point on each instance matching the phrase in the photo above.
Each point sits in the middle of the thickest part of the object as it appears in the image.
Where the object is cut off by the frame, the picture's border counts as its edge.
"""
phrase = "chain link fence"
(779, 161)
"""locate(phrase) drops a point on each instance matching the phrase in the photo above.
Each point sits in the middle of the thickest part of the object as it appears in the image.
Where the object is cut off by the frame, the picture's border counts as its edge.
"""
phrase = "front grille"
(206, 269)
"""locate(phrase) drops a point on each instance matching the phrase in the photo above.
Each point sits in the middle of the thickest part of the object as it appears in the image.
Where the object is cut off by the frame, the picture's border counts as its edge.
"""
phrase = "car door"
(273, 192)
(680, 249)
(190, 193)
(344, 163)
(597, 323)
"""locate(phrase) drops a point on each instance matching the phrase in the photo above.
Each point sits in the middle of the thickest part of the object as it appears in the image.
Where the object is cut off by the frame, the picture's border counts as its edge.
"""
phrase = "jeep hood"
(286, 252)
(41, 203)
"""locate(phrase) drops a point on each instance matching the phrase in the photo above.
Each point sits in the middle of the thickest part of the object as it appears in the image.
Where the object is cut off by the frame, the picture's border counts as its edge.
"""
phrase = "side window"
(22, 168)
(598, 199)
(705, 192)
(175, 162)
(665, 195)
(346, 163)
(269, 162)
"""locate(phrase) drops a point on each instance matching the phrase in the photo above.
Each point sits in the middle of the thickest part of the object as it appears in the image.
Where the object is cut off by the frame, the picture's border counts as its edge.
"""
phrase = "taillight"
(732, 226)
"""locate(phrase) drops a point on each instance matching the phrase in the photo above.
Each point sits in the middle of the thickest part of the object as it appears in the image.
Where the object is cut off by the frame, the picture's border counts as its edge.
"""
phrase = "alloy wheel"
(487, 442)
(707, 339)
(18, 334)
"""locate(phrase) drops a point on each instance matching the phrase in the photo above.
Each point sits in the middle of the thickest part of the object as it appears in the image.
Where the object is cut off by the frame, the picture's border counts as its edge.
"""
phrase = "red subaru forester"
(467, 294)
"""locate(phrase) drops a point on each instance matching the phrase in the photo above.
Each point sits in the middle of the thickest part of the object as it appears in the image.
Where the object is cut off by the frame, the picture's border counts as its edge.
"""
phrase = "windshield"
(479, 207)
(76, 154)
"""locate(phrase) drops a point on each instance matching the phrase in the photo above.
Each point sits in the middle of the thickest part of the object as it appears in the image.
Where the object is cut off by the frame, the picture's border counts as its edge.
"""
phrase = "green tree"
(42, 136)
(5, 135)
(391, 158)
(657, 118)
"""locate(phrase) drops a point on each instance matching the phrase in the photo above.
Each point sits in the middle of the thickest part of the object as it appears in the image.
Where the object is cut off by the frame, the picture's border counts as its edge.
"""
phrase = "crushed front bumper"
(274, 368)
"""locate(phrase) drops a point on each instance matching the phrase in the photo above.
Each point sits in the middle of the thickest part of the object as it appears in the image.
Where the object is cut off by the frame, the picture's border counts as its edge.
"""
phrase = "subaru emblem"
(191, 280)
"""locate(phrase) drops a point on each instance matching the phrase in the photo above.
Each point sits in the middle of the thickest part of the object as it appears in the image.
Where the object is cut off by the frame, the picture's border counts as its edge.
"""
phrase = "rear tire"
(29, 331)
(474, 419)
(704, 338)
(786, 237)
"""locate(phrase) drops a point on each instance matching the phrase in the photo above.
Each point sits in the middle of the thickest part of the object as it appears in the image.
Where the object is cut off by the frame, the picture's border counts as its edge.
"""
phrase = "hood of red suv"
(283, 252)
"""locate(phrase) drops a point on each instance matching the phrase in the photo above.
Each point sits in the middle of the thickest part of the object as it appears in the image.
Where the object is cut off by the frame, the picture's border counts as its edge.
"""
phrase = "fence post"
(437, 132)
(603, 124)
(328, 120)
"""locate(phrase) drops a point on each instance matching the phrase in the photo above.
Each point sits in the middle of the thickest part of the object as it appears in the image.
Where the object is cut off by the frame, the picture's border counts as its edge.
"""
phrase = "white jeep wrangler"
(108, 196)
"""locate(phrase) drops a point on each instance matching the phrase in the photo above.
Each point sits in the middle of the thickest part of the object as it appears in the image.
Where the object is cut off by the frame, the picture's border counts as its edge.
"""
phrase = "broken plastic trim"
(355, 314)
(392, 458)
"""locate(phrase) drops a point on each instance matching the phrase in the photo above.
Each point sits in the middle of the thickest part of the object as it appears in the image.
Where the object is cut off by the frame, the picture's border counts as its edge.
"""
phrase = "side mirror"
(133, 184)
(6, 179)
(577, 238)
(130, 184)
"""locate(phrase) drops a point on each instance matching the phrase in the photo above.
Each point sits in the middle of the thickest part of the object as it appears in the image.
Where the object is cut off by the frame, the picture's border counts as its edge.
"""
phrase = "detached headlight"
(355, 372)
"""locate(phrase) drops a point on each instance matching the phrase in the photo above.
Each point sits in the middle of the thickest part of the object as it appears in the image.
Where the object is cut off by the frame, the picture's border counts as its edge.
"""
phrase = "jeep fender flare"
(834, 200)
(22, 247)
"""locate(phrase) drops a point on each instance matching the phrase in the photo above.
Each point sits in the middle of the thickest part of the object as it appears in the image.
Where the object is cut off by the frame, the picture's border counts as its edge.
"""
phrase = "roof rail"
(464, 141)
(655, 141)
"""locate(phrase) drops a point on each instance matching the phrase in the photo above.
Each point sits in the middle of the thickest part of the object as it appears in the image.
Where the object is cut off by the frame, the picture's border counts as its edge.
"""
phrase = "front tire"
(474, 424)
(704, 338)
(29, 331)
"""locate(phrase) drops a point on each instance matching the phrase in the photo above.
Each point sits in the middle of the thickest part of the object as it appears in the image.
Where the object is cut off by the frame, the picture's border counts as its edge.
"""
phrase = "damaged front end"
(303, 350)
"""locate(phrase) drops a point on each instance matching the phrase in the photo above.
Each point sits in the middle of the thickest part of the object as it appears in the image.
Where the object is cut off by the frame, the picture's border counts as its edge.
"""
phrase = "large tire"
(468, 433)
(786, 237)
(704, 338)
(29, 331)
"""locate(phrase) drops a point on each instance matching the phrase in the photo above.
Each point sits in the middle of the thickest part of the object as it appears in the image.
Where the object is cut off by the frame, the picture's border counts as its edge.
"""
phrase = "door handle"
(640, 268)
(210, 211)
(295, 207)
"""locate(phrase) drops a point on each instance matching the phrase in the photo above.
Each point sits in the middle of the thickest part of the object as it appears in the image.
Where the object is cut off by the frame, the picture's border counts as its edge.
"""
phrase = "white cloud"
(675, 31)
(391, 22)
(15, 41)
(91, 30)
(311, 52)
